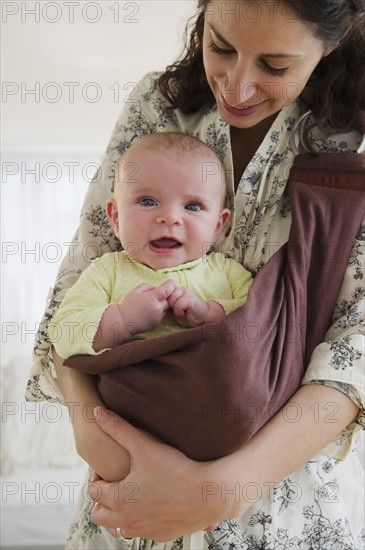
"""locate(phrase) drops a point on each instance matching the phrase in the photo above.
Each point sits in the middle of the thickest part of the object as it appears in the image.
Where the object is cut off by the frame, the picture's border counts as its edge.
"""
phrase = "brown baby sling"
(208, 390)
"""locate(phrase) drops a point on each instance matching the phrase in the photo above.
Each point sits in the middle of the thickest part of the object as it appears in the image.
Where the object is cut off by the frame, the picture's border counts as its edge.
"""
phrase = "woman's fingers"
(121, 431)
(95, 477)
(114, 493)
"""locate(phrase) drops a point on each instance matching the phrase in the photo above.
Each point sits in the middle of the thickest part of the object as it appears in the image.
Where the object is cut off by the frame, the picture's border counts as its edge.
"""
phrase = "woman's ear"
(223, 217)
(329, 50)
(112, 213)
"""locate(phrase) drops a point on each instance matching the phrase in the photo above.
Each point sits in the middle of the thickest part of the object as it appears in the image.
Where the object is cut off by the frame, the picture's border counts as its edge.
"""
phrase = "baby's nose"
(169, 219)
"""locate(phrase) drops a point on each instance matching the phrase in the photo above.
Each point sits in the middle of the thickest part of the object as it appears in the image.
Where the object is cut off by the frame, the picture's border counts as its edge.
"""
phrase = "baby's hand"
(144, 307)
(188, 308)
(192, 311)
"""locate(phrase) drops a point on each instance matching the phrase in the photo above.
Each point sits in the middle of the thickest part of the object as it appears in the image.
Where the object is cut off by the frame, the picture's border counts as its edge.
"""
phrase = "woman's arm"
(99, 450)
(186, 496)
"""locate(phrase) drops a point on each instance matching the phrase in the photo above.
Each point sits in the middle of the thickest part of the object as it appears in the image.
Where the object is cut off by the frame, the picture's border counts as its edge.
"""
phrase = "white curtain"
(41, 198)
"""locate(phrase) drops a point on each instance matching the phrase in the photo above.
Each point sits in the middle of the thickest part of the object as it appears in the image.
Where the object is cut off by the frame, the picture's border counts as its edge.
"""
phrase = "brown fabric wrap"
(208, 390)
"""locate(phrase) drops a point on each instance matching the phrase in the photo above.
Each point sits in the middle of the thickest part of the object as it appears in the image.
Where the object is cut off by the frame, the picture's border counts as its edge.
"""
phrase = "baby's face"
(168, 206)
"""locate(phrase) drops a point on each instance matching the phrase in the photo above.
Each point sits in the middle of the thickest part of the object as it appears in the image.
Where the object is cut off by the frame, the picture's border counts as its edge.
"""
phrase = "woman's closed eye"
(274, 71)
(220, 51)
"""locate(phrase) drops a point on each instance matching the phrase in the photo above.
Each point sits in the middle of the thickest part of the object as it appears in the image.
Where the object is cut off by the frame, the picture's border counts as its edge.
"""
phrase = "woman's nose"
(241, 87)
(169, 219)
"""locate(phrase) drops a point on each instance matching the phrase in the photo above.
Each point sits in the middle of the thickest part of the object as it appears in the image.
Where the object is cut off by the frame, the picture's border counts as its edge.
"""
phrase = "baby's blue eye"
(193, 207)
(147, 201)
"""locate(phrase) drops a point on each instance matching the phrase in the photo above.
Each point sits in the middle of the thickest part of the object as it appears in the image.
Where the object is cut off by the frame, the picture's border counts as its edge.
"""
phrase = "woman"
(250, 70)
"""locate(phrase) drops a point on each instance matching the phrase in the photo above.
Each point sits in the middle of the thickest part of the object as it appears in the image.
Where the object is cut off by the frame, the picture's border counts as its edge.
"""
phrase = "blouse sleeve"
(339, 360)
(144, 112)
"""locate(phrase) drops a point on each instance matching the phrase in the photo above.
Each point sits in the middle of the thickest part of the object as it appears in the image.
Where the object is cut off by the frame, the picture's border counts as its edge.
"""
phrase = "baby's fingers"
(170, 286)
(176, 296)
(181, 306)
(144, 287)
(164, 291)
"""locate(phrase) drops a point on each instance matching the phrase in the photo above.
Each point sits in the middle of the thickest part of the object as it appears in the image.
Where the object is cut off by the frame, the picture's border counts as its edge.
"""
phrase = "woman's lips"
(242, 111)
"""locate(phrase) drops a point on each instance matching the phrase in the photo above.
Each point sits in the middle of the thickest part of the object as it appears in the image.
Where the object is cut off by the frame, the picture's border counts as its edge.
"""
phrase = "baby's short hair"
(181, 142)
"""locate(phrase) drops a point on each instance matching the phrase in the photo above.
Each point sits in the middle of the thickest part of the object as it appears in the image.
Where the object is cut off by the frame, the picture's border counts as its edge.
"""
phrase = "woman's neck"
(245, 142)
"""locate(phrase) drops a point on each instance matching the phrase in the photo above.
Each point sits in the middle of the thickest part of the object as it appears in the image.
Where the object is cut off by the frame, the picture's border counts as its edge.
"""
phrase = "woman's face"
(258, 56)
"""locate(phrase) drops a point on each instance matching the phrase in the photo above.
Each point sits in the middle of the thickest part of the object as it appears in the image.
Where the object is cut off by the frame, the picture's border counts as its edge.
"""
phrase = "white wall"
(127, 39)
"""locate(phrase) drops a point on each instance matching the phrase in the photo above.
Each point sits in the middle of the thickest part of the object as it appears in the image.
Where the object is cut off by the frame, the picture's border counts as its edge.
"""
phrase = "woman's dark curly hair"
(338, 82)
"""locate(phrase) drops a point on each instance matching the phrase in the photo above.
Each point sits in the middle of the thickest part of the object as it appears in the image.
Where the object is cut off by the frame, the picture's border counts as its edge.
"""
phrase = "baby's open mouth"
(166, 242)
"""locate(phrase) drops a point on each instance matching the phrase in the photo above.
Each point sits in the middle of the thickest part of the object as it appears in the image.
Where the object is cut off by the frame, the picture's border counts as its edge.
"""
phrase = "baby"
(167, 210)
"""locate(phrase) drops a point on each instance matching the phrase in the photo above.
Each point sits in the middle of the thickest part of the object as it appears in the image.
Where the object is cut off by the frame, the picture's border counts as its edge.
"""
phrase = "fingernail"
(94, 492)
(100, 414)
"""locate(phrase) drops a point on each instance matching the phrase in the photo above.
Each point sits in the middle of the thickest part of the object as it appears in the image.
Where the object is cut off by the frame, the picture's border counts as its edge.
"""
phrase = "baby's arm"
(142, 309)
(192, 311)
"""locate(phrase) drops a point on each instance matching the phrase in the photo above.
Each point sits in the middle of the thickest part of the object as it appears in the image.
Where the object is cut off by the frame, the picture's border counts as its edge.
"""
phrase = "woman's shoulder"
(326, 138)
(148, 84)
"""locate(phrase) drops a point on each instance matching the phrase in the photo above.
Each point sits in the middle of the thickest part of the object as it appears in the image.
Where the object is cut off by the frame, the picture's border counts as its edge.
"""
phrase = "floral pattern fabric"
(320, 505)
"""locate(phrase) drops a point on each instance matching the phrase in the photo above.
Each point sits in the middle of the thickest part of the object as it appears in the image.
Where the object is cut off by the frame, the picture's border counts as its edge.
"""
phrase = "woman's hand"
(104, 455)
(165, 495)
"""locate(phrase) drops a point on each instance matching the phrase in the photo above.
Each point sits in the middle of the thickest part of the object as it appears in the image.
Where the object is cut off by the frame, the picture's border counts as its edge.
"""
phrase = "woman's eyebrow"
(220, 37)
(279, 55)
(270, 55)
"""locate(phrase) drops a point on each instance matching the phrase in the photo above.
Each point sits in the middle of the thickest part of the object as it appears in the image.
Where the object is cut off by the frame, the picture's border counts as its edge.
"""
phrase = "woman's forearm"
(312, 419)
(79, 390)
(101, 452)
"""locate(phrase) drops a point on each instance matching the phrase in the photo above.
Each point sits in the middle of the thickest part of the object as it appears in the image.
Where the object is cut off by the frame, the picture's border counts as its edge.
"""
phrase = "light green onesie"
(109, 278)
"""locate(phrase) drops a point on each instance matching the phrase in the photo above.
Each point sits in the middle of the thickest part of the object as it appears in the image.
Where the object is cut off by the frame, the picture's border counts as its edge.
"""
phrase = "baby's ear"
(112, 213)
(223, 217)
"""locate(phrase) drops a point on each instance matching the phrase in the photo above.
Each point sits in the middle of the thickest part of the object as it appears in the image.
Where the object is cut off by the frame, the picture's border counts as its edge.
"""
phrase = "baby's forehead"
(142, 147)
(147, 160)
(143, 161)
